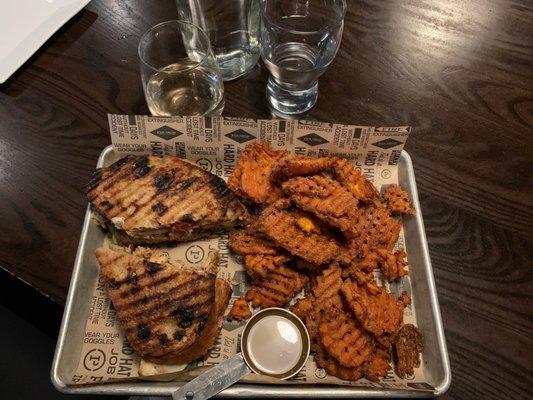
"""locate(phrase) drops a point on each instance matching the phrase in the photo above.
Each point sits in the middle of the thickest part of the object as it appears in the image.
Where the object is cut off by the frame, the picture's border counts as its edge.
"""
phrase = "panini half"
(148, 199)
(202, 345)
(162, 305)
(206, 340)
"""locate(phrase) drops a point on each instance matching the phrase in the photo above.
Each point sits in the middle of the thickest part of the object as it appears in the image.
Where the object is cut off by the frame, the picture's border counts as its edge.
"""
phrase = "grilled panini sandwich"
(148, 199)
(163, 306)
(202, 345)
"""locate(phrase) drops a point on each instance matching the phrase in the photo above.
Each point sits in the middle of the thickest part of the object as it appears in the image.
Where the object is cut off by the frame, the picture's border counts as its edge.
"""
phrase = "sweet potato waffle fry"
(333, 367)
(320, 194)
(302, 307)
(344, 338)
(248, 241)
(325, 294)
(290, 166)
(297, 233)
(324, 227)
(354, 181)
(397, 200)
(251, 177)
(392, 264)
(239, 311)
(375, 229)
(378, 365)
(407, 347)
(364, 265)
(373, 307)
(259, 265)
(277, 289)
(325, 198)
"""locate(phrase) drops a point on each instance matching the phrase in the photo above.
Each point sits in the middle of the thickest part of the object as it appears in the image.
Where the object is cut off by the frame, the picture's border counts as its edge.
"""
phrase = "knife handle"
(214, 380)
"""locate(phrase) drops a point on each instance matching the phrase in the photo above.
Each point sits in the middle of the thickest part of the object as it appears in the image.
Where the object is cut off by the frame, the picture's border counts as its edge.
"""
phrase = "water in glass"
(295, 66)
(299, 40)
(179, 71)
(169, 92)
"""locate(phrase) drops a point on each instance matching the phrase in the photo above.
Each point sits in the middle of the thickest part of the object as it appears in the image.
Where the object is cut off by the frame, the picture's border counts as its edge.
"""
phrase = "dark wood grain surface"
(459, 72)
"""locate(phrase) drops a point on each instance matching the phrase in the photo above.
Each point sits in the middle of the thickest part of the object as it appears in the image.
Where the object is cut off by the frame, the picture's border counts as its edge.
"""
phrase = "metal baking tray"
(424, 294)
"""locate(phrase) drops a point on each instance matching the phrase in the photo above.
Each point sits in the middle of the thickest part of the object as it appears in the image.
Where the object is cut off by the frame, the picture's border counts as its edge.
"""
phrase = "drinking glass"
(179, 73)
(233, 29)
(299, 39)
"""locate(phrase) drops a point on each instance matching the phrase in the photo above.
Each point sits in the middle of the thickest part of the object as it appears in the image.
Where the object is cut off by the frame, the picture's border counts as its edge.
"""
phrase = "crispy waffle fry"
(407, 346)
(362, 277)
(302, 307)
(311, 268)
(375, 229)
(259, 265)
(312, 316)
(354, 181)
(392, 264)
(344, 338)
(384, 342)
(324, 198)
(320, 194)
(311, 323)
(298, 165)
(239, 311)
(377, 366)
(325, 292)
(397, 200)
(248, 241)
(340, 334)
(289, 230)
(375, 308)
(333, 367)
(361, 268)
(277, 288)
(251, 176)
(328, 285)
(368, 264)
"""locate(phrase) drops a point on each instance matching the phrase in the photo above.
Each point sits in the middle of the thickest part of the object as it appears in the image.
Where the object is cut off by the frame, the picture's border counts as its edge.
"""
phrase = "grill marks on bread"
(147, 193)
(134, 205)
(161, 305)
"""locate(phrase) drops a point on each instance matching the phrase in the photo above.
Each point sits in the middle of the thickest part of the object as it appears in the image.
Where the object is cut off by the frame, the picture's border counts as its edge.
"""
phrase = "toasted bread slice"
(149, 199)
(162, 305)
(204, 343)
(206, 340)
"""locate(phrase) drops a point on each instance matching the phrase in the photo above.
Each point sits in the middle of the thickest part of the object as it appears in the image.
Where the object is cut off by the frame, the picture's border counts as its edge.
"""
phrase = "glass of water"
(179, 72)
(299, 39)
(233, 29)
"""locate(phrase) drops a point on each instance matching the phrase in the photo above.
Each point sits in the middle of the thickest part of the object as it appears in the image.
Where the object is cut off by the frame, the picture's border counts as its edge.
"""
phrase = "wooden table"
(459, 72)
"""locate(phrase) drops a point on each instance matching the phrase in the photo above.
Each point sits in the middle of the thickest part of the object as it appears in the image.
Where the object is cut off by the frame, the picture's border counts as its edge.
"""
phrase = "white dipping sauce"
(274, 345)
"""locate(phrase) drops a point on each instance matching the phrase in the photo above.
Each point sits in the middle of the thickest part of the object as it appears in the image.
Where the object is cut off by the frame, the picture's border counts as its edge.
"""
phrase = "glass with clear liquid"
(299, 40)
(233, 29)
(179, 71)
(171, 92)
